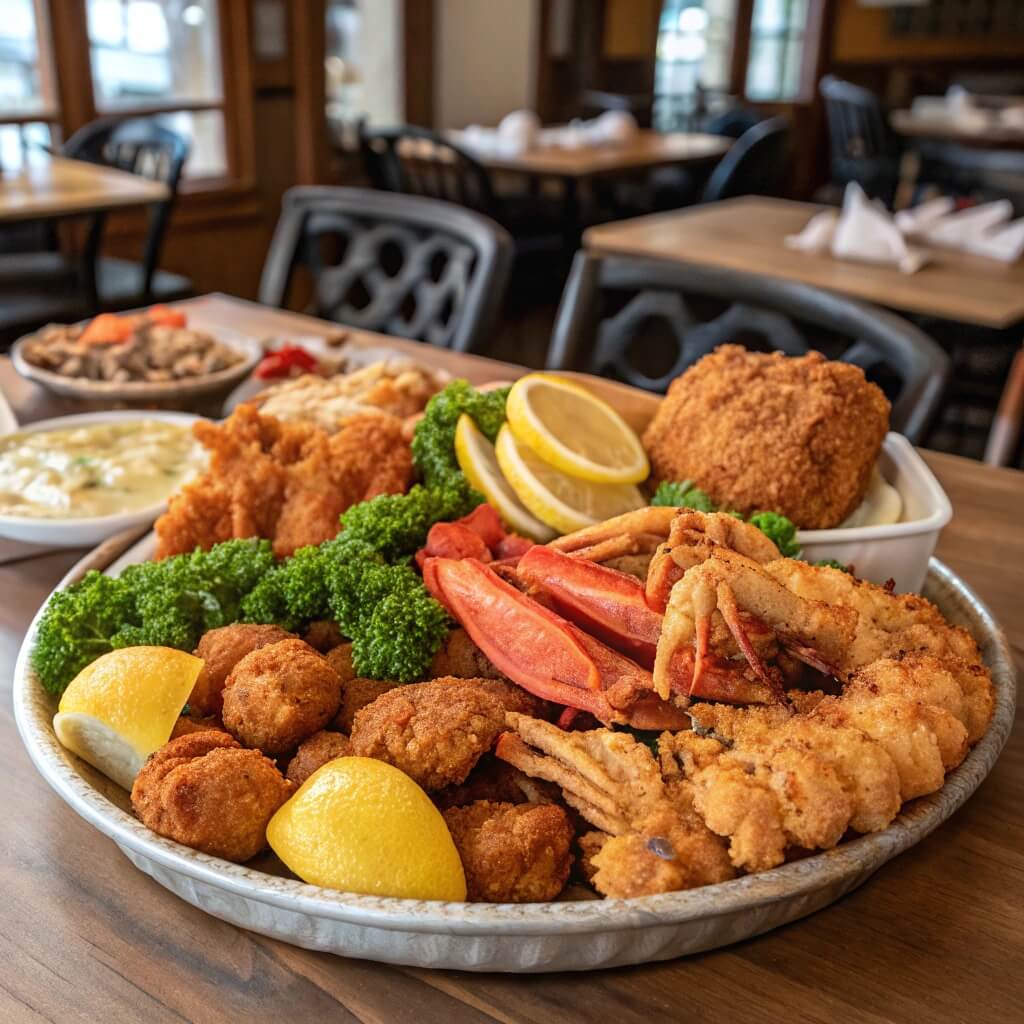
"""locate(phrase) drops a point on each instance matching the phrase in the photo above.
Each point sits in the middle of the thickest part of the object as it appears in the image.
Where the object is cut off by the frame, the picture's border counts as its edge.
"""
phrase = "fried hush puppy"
(205, 791)
(221, 650)
(460, 657)
(434, 732)
(798, 436)
(512, 853)
(314, 753)
(279, 695)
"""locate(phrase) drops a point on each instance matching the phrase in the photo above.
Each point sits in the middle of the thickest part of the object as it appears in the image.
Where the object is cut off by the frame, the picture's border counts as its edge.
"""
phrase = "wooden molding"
(418, 21)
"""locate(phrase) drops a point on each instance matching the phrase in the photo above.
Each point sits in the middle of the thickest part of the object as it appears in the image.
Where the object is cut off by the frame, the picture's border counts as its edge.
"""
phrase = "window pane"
(204, 130)
(776, 49)
(19, 140)
(154, 51)
(21, 81)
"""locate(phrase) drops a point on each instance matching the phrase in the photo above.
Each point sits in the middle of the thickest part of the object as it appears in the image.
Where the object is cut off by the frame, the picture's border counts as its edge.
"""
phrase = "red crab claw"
(605, 602)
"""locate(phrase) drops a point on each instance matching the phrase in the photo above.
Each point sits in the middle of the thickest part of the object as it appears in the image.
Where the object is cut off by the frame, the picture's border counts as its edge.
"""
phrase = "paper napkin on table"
(817, 236)
(919, 219)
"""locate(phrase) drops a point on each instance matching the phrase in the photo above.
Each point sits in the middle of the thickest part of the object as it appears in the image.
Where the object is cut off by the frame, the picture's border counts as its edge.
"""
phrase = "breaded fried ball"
(512, 853)
(323, 635)
(280, 695)
(221, 650)
(763, 432)
(511, 696)
(340, 659)
(195, 723)
(434, 732)
(207, 792)
(460, 657)
(356, 693)
(314, 753)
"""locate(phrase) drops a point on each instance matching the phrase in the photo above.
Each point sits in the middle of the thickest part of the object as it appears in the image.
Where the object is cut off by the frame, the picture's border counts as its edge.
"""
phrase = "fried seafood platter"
(429, 737)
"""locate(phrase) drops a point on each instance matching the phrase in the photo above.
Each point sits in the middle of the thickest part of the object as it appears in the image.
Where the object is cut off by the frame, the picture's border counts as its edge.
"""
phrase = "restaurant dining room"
(510, 511)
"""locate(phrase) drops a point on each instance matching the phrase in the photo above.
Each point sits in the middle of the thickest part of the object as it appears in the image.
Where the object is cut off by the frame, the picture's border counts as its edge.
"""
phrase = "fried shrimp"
(279, 695)
(512, 853)
(205, 791)
(796, 435)
(434, 732)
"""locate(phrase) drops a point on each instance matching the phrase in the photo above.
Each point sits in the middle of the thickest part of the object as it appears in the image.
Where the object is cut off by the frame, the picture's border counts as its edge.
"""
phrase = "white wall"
(484, 57)
(380, 61)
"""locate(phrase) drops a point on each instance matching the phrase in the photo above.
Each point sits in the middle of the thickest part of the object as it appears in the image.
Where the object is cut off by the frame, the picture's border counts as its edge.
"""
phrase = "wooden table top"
(647, 149)
(746, 234)
(936, 935)
(53, 186)
(992, 135)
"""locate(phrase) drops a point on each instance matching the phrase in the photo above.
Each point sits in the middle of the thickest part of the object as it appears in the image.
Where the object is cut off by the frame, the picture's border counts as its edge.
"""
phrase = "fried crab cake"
(314, 753)
(434, 732)
(279, 695)
(205, 791)
(756, 431)
(221, 650)
(512, 853)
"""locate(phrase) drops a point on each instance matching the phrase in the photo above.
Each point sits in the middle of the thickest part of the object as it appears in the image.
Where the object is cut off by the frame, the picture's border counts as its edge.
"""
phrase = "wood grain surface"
(747, 234)
(994, 135)
(53, 186)
(648, 149)
(935, 936)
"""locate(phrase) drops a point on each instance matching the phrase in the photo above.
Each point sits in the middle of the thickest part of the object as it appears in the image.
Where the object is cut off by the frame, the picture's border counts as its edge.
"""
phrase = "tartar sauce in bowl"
(95, 469)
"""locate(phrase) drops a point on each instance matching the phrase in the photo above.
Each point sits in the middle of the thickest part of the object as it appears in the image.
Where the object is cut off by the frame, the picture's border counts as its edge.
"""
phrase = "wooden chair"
(620, 316)
(403, 265)
(864, 148)
(1003, 444)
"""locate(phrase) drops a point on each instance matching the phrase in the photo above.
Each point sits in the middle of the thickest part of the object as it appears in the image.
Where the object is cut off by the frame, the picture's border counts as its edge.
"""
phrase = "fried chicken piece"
(798, 436)
(221, 650)
(460, 657)
(323, 635)
(314, 753)
(356, 694)
(512, 853)
(287, 482)
(279, 695)
(434, 732)
(205, 791)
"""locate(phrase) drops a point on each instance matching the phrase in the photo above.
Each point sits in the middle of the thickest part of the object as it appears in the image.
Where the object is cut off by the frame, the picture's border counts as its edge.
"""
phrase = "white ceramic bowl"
(567, 935)
(899, 551)
(86, 531)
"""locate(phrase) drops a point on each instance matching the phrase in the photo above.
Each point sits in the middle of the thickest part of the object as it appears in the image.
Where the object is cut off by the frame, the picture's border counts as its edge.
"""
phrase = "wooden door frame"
(418, 42)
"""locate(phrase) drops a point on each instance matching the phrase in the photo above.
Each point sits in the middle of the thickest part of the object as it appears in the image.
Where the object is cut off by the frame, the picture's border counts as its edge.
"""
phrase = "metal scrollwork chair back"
(618, 311)
(403, 265)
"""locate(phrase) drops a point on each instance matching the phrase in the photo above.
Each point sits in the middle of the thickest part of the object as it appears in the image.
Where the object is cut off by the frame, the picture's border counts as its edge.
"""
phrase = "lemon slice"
(361, 825)
(566, 503)
(476, 458)
(123, 706)
(574, 430)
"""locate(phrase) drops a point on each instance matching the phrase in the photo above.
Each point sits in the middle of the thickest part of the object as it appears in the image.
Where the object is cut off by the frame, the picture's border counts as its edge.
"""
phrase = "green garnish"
(831, 563)
(683, 494)
(779, 530)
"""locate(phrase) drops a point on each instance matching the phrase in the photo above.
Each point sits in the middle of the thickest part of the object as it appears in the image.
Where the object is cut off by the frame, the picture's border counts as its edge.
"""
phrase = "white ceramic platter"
(86, 531)
(506, 937)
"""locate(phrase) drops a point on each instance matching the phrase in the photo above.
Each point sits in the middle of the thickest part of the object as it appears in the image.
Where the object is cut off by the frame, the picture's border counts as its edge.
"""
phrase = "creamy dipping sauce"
(98, 469)
(881, 506)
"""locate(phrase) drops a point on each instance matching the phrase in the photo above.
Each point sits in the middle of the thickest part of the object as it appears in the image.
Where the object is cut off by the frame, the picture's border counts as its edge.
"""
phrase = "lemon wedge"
(476, 458)
(123, 706)
(361, 825)
(566, 503)
(574, 431)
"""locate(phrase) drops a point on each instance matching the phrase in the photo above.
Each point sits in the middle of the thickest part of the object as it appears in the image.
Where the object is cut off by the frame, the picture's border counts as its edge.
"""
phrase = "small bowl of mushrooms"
(153, 358)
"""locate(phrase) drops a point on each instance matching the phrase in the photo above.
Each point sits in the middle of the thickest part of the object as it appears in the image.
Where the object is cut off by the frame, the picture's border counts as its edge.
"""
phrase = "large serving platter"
(567, 935)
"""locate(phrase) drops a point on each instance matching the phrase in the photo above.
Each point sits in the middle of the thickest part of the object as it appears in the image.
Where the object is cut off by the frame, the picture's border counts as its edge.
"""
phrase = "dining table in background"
(935, 935)
(993, 134)
(748, 234)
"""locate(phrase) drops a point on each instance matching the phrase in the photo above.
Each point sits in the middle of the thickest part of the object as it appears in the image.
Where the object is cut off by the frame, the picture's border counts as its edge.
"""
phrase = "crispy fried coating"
(795, 435)
(207, 792)
(511, 696)
(221, 650)
(314, 753)
(279, 695)
(434, 732)
(460, 657)
(187, 724)
(356, 694)
(323, 635)
(288, 482)
(340, 659)
(512, 853)
(498, 782)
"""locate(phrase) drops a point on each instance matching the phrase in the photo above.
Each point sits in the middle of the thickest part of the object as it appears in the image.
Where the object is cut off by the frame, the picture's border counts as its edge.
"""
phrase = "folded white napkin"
(520, 129)
(971, 224)
(919, 219)
(1005, 243)
(1012, 117)
(817, 236)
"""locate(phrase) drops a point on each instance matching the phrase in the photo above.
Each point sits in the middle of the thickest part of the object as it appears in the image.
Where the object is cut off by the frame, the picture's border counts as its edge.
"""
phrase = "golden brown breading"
(794, 435)
(187, 724)
(323, 635)
(512, 853)
(356, 693)
(434, 732)
(498, 782)
(340, 659)
(221, 650)
(460, 657)
(511, 696)
(287, 482)
(314, 753)
(279, 695)
(207, 792)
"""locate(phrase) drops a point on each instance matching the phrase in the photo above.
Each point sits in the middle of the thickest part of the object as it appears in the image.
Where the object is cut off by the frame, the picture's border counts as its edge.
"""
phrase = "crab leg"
(731, 615)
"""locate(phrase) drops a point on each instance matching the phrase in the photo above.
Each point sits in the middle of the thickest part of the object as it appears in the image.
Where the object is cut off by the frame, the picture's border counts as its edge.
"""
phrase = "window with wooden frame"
(174, 60)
